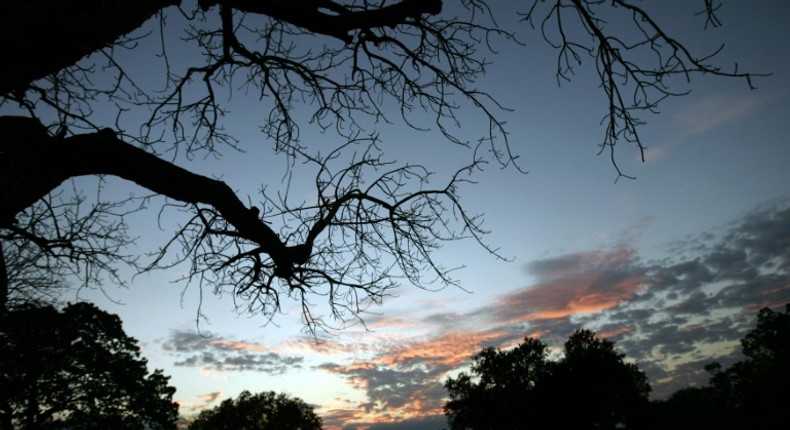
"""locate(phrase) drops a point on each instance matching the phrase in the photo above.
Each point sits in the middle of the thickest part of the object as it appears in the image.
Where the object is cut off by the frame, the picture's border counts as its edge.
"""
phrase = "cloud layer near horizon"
(671, 315)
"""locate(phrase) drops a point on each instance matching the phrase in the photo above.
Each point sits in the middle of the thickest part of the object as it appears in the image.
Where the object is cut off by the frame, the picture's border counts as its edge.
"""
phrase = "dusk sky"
(672, 266)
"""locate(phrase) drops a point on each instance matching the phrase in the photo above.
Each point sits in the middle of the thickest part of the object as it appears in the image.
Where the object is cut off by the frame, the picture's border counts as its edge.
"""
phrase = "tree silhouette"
(267, 410)
(751, 393)
(690, 408)
(503, 388)
(77, 369)
(755, 390)
(591, 386)
(138, 89)
(595, 385)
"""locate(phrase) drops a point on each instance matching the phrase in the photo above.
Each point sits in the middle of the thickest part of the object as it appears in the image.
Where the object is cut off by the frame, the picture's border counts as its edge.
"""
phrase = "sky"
(672, 266)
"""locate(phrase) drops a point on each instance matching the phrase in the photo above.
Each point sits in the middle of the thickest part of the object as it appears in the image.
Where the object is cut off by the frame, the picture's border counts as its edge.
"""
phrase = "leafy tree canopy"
(76, 369)
(591, 386)
(262, 411)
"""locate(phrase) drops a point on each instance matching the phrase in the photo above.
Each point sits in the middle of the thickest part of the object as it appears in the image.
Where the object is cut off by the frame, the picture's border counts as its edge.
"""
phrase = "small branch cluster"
(637, 64)
(343, 67)
(373, 225)
(63, 237)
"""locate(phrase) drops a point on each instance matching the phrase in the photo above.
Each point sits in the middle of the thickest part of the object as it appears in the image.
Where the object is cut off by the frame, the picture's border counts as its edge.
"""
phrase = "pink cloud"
(448, 350)
(411, 372)
(576, 283)
(608, 334)
(716, 110)
(237, 345)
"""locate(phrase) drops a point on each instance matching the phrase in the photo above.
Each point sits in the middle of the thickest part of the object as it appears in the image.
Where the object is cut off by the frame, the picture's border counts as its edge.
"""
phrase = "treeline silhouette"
(753, 393)
(266, 410)
(76, 368)
(593, 387)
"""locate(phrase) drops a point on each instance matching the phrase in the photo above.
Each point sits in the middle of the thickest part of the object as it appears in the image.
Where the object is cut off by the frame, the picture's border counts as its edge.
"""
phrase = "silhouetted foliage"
(600, 389)
(137, 89)
(757, 389)
(262, 411)
(591, 386)
(691, 408)
(503, 387)
(76, 369)
(752, 393)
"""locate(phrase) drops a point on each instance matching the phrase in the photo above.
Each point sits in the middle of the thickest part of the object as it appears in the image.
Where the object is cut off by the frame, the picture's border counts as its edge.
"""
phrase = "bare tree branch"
(630, 83)
(82, 105)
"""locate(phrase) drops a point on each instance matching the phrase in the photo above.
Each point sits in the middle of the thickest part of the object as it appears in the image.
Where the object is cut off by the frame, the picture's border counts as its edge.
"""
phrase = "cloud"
(441, 353)
(210, 397)
(671, 315)
(205, 401)
(430, 422)
(227, 354)
(399, 391)
(570, 284)
(404, 380)
(701, 299)
(716, 110)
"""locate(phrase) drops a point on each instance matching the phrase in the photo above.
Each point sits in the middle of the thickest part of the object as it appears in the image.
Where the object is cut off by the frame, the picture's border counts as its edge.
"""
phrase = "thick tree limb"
(31, 168)
(341, 20)
(38, 38)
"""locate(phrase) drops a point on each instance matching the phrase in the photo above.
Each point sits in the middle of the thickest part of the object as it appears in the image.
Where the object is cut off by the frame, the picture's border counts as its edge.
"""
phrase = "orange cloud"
(449, 350)
(396, 322)
(564, 298)
(364, 415)
(615, 332)
(239, 346)
(579, 283)
(346, 345)
(335, 419)
(404, 380)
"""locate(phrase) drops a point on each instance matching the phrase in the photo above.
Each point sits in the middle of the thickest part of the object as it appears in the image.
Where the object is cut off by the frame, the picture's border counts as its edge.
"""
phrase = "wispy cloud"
(713, 111)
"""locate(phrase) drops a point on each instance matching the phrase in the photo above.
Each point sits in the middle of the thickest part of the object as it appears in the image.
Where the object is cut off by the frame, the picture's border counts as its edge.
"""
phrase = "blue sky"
(673, 266)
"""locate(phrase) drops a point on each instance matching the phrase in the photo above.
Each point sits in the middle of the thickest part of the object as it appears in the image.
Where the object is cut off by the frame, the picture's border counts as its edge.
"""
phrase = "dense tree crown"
(77, 369)
(591, 386)
(262, 411)
(751, 393)
(136, 89)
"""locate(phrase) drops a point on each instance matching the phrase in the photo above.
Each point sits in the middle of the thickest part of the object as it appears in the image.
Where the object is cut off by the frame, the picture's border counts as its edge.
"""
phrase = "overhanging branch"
(339, 20)
(32, 168)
